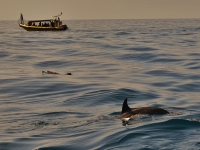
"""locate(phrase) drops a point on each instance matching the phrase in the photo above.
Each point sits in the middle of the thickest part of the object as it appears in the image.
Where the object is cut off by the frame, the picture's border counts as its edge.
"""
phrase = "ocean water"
(150, 62)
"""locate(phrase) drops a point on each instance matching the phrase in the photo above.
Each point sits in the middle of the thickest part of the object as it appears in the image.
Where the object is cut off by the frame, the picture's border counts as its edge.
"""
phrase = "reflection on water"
(150, 62)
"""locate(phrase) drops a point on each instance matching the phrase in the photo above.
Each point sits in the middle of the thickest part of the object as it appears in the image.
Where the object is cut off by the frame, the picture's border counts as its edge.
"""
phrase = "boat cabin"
(45, 23)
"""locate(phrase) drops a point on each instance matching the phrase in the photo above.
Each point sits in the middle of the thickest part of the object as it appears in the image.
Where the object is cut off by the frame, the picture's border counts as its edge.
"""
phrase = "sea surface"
(150, 62)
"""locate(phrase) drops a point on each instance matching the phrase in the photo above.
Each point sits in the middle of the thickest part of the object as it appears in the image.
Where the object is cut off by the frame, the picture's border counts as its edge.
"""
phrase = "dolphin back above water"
(51, 72)
(128, 112)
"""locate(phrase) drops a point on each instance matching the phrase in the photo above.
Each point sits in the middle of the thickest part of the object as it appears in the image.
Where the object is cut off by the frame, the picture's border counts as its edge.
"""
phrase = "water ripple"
(150, 62)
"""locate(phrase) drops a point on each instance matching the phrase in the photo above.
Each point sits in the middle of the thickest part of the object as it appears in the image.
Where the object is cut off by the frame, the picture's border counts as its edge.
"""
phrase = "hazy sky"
(99, 9)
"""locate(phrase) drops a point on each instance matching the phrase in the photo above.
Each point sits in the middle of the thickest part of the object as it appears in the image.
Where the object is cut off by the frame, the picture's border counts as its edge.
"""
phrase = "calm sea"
(150, 62)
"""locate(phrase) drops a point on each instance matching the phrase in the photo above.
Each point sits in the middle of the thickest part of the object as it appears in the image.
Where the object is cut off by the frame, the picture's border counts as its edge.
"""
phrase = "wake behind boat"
(43, 25)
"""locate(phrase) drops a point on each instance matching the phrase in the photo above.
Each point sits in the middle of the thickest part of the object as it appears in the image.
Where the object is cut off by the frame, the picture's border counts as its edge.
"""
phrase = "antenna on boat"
(58, 15)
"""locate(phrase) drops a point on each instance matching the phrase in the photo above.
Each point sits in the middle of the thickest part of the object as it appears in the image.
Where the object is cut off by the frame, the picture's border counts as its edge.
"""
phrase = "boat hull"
(39, 28)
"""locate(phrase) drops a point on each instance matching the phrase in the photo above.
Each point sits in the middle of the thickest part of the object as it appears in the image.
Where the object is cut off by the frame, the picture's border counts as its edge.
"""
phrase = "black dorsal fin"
(125, 107)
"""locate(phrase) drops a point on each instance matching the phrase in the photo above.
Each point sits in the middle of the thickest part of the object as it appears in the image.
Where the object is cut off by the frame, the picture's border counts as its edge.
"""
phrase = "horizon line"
(117, 19)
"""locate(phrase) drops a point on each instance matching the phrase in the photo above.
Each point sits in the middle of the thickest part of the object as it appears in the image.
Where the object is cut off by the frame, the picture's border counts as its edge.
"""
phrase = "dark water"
(151, 62)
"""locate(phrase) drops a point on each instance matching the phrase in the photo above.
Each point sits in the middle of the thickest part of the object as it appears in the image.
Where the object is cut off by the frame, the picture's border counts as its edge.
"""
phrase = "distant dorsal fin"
(125, 107)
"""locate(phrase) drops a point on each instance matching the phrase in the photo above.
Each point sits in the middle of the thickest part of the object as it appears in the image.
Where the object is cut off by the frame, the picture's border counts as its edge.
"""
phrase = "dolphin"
(128, 112)
(51, 72)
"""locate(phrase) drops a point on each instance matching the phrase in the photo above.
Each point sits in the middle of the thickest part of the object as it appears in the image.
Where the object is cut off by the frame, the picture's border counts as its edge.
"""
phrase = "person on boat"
(55, 22)
(58, 21)
(40, 24)
(34, 24)
(52, 23)
(22, 19)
